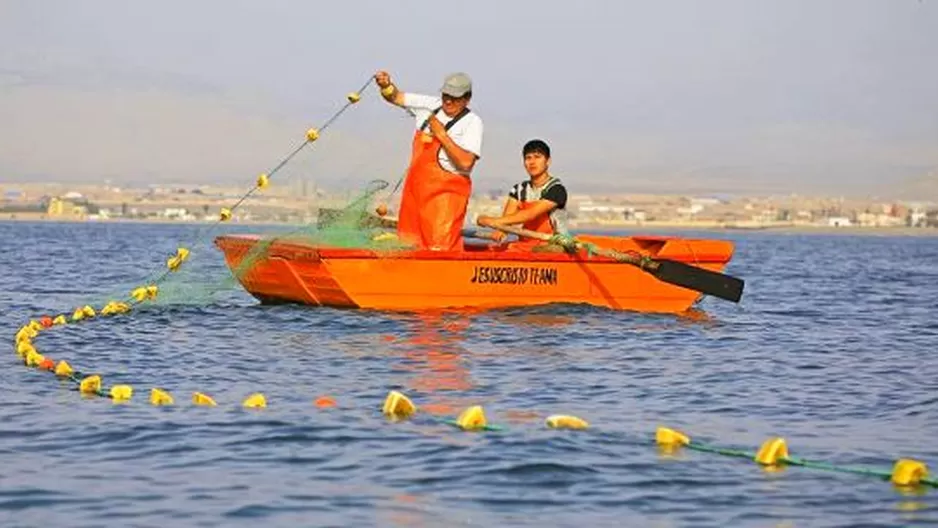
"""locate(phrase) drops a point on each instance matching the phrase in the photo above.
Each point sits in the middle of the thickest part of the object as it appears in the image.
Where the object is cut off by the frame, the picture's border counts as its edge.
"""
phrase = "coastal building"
(839, 221)
(931, 218)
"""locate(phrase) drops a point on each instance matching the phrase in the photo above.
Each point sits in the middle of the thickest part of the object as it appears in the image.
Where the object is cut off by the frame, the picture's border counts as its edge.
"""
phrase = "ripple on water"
(831, 348)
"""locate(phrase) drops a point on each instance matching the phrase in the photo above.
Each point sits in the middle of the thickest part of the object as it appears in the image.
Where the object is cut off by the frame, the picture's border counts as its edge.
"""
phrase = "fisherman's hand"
(383, 79)
(485, 221)
(489, 221)
(436, 127)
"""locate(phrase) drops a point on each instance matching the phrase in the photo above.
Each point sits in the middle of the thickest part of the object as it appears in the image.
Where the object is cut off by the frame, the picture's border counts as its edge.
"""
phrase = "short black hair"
(536, 145)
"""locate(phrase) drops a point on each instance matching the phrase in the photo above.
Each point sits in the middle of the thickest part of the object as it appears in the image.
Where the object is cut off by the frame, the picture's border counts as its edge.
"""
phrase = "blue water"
(832, 348)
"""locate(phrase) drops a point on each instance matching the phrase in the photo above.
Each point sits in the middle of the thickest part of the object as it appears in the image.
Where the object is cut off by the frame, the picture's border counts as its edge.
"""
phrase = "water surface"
(832, 348)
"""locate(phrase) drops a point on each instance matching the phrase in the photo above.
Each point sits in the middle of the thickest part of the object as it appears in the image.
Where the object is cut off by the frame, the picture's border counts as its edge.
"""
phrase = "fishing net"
(353, 226)
(200, 281)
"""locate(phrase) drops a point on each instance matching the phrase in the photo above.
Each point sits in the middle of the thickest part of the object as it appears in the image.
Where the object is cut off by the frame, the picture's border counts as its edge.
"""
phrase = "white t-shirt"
(467, 132)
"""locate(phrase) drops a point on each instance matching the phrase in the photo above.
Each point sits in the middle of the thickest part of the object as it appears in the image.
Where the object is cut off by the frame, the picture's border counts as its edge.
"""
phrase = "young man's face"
(536, 163)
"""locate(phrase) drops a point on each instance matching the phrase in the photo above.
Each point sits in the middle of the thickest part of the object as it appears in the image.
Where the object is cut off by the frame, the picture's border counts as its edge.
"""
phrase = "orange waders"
(541, 224)
(434, 201)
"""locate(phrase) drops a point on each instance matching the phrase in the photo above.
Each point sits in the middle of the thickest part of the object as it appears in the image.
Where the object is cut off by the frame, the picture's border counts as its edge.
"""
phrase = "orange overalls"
(434, 201)
(541, 224)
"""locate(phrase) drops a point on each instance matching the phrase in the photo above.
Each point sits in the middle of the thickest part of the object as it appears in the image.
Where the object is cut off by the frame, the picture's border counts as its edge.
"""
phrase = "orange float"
(478, 276)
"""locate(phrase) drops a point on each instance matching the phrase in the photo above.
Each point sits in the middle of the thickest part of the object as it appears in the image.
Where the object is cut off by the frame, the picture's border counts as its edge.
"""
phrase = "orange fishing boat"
(639, 273)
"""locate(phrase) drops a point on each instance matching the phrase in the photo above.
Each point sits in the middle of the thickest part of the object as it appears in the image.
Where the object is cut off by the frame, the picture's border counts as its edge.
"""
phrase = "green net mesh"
(351, 226)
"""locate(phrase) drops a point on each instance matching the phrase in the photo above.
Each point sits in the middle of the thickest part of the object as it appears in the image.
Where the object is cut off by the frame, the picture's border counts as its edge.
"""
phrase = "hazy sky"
(717, 94)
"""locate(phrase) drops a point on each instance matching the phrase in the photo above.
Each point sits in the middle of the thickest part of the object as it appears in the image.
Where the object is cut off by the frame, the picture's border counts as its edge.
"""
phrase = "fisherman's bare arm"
(518, 217)
(462, 159)
(511, 207)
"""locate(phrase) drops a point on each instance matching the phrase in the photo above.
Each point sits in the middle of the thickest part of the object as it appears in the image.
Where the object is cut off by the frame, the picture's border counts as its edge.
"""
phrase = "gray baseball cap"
(456, 84)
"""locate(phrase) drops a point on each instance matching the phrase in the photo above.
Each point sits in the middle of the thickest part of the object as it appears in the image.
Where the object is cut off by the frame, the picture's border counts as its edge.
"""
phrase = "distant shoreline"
(796, 229)
(155, 221)
(582, 227)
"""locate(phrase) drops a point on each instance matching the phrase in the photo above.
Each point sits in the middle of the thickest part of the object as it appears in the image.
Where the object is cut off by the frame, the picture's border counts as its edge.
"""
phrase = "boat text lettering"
(514, 275)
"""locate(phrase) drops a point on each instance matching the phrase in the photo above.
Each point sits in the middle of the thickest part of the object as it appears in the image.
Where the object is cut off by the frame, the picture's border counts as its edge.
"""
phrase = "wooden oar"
(670, 271)
(466, 233)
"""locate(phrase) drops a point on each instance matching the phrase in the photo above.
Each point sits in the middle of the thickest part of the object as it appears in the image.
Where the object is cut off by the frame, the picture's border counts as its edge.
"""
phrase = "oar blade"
(699, 279)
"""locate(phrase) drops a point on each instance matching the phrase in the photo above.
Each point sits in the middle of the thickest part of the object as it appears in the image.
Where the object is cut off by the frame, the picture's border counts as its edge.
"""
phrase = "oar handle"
(573, 243)
(521, 232)
(468, 233)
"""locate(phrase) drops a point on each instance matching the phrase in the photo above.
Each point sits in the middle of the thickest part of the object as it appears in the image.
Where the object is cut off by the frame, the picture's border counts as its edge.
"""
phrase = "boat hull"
(481, 277)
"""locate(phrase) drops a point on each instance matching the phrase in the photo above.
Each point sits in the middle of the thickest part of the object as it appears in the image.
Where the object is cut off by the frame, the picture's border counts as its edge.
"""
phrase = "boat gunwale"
(294, 249)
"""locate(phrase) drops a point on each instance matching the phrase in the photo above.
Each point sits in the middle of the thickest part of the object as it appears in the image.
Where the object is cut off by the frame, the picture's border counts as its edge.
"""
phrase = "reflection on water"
(406, 511)
(434, 353)
(431, 347)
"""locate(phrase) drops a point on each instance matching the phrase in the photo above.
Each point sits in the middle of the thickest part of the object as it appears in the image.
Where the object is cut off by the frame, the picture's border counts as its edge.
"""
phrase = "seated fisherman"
(538, 203)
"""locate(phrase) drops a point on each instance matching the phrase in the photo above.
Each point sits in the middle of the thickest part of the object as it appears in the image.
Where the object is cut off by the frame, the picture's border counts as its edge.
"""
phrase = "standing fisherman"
(446, 145)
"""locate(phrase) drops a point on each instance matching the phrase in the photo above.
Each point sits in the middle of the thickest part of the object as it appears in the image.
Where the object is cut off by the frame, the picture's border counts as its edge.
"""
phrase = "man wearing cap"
(446, 144)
